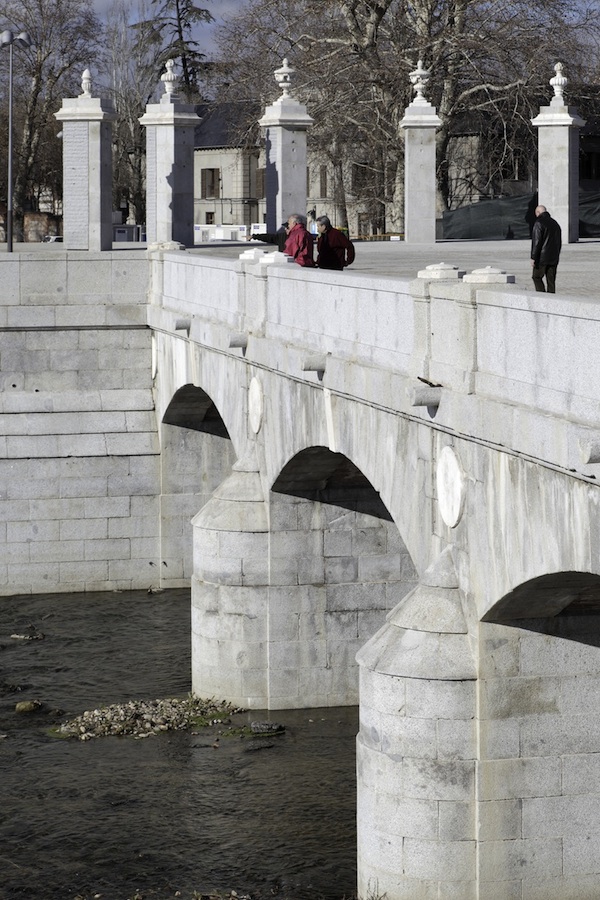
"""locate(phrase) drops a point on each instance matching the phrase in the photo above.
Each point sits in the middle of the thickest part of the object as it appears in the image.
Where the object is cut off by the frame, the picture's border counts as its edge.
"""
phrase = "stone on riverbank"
(142, 718)
(28, 706)
(31, 634)
(267, 728)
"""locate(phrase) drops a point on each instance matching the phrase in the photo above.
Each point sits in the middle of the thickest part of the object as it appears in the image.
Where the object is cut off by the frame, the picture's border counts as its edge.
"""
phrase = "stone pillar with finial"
(558, 158)
(87, 169)
(285, 123)
(170, 128)
(419, 125)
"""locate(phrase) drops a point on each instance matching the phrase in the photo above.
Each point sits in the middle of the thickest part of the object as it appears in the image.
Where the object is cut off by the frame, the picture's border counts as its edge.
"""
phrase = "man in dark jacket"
(334, 249)
(278, 237)
(546, 241)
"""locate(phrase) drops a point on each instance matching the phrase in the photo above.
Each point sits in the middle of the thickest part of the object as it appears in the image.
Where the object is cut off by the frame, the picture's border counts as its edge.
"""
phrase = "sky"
(219, 9)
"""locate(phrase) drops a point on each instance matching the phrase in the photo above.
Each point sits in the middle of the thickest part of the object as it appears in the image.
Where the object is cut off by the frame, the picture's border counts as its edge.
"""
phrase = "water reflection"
(170, 813)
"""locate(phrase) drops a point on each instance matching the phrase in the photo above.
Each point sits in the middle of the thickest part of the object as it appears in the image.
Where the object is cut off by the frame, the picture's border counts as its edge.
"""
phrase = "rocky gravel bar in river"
(142, 718)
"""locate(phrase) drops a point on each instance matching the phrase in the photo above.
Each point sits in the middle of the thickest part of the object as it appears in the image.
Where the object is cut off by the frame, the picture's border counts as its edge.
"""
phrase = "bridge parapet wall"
(62, 289)
(502, 357)
(540, 351)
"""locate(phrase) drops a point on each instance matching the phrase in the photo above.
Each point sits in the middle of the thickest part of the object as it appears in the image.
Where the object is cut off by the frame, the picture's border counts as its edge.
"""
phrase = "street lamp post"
(8, 39)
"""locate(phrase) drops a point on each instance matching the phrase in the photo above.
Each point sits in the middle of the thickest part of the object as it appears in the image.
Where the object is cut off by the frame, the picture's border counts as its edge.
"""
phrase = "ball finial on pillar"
(86, 84)
(559, 82)
(558, 157)
(87, 169)
(170, 79)
(285, 123)
(419, 78)
(170, 125)
(419, 125)
(283, 77)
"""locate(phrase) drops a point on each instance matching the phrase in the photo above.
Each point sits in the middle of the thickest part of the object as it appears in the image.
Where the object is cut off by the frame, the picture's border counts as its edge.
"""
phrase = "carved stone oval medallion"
(451, 486)
(255, 405)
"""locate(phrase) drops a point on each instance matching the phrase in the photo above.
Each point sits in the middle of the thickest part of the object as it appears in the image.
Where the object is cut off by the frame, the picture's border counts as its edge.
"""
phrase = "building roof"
(228, 124)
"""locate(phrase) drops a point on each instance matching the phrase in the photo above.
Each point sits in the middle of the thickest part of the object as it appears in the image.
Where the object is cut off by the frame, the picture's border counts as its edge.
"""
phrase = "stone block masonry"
(302, 631)
(79, 451)
(454, 547)
(538, 788)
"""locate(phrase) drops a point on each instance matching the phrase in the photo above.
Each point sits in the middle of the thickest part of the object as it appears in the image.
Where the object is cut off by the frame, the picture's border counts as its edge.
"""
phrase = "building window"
(210, 218)
(589, 165)
(360, 174)
(364, 224)
(209, 186)
(307, 182)
(260, 183)
(323, 181)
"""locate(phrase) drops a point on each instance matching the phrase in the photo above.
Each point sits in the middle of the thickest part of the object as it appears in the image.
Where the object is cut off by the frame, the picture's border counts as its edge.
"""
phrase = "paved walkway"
(578, 272)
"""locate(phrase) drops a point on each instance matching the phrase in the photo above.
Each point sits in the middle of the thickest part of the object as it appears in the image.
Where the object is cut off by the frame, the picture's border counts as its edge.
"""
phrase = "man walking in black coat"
(334, 249)
(546, 241)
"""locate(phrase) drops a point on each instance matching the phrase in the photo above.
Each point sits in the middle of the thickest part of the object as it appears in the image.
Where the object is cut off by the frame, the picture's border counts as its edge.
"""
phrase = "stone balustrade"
(502, 356)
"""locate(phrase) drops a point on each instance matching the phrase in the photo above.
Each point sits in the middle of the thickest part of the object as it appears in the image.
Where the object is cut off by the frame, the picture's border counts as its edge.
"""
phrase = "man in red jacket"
(299, 243)
(334, 249)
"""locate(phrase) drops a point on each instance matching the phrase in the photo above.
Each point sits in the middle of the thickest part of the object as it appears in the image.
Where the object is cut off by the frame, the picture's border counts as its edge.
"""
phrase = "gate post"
(558, 158)
(419, 123)
(170, 165)
(285, 123)
(87, 169)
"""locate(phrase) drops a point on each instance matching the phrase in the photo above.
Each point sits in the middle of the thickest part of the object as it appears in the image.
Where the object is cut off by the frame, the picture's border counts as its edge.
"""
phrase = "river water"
(119, 818)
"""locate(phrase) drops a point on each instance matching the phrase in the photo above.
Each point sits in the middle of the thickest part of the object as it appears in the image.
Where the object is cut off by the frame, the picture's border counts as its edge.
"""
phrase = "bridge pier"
(417, 748)
(230, 593)
(285, 592)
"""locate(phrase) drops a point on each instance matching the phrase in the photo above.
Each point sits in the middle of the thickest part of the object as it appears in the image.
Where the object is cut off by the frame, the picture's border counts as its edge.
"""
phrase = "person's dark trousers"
(538, 274)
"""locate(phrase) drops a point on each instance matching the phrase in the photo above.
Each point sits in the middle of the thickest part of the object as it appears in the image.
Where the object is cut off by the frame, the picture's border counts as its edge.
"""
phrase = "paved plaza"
(578, 272)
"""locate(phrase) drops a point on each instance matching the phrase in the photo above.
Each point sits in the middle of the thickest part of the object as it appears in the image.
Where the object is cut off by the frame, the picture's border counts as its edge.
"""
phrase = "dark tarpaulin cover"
(510, 217)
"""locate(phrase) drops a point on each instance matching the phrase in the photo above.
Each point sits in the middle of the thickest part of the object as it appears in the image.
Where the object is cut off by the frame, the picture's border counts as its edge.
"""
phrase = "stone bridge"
(391, 484)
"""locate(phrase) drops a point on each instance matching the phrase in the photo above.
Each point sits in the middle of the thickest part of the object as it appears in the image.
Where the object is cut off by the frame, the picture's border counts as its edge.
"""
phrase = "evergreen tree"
(169, 32)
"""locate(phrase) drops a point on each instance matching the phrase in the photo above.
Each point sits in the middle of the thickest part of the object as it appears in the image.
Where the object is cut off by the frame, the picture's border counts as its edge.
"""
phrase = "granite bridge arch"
(401, 471)
(471, 604)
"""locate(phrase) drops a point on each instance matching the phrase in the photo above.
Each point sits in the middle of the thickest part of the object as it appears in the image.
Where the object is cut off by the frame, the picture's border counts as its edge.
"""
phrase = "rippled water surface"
(115, 816)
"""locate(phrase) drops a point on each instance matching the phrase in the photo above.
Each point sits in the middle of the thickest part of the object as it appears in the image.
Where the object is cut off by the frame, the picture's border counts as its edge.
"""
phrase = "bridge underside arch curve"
(323, 476)
(553, 594)
(196, 456)
(539, 702)
(191, 407)
(289, 584)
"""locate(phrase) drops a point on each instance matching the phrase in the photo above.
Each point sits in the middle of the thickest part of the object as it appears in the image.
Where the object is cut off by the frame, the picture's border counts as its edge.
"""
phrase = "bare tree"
(65, 39)
(490, 63)
(134, 59)
(129, 69)
(341, 104)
